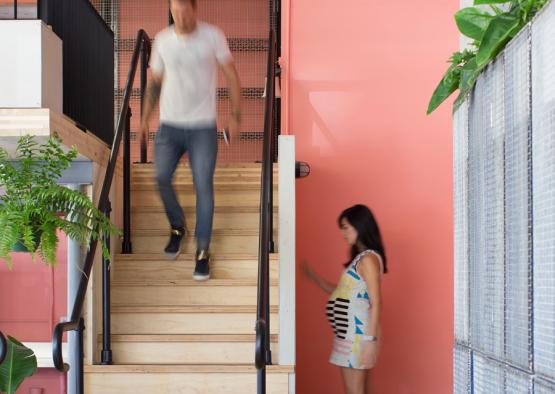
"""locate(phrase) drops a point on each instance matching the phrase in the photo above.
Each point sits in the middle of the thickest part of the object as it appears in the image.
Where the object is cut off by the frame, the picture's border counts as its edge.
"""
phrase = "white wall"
(31, 67)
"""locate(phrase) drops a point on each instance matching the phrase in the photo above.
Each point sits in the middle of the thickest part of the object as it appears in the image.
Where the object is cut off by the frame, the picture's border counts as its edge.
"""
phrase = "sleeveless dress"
(348, 314)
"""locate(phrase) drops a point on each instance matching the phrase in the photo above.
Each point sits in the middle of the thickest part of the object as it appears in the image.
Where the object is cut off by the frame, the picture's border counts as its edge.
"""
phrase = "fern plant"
(34, 206)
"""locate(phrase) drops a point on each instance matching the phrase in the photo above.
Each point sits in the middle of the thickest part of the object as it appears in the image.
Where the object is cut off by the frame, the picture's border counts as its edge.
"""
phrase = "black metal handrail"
(142, 44)
(263, 355)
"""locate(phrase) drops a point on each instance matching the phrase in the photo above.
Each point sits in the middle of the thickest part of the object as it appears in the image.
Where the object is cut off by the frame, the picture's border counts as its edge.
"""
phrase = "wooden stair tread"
(217, 209)
(214, 368)
(247, 164)
(185, 337)
(216, 232)
(190, 309)
(188, 257)
(218, 186)
(189, 282)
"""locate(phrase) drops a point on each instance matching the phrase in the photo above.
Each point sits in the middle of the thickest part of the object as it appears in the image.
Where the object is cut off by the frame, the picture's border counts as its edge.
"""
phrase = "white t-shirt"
(189, 65)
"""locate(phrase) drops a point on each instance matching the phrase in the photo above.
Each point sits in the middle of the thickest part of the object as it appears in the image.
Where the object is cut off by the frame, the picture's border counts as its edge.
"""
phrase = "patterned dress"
(348, 313)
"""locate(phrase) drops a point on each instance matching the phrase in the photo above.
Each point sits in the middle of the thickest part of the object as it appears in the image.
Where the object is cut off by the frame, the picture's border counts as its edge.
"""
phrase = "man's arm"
(152, 95)
(232, 77)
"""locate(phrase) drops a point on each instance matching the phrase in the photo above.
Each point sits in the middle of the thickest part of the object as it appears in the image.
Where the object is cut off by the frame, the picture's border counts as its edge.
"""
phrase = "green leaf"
(500, 30)
(449, 83)
(481, 2)
(473, 22)
(19, 364)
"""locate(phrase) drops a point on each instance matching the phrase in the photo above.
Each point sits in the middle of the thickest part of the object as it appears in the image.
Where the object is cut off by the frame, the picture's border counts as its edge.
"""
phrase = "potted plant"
(19, 362)
(33, 206)
(491, 24)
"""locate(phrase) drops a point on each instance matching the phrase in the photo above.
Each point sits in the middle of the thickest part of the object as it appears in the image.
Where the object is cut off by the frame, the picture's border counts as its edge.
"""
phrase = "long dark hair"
(362, 219)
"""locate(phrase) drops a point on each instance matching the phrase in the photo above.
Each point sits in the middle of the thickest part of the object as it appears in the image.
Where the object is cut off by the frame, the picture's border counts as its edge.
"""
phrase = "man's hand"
(233, 128)
(232, 77)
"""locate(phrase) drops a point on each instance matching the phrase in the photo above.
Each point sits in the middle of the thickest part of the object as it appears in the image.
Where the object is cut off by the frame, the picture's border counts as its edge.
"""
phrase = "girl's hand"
(369, 354)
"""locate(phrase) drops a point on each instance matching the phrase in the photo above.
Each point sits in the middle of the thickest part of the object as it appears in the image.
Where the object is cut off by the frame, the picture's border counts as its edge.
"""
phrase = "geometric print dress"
(348, 313)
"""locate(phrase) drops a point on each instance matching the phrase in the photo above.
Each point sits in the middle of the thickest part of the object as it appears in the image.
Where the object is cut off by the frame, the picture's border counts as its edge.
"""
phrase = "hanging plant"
(490, 28)
(34, 206)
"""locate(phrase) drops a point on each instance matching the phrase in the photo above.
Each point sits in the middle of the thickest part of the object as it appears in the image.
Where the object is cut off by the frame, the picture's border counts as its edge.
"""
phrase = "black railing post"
(126, 247)
(106, 356)
(261, 380)
(15, 9)
(144, 66)
(79, 370)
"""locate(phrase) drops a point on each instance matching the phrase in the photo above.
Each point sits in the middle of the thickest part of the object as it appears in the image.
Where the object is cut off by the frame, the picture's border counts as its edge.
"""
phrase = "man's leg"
(169, 147)
(203, 148)
(202, 145)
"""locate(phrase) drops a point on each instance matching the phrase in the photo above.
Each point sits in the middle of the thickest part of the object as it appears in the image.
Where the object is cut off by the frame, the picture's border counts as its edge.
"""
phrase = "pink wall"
(33, 298)
(360, 76)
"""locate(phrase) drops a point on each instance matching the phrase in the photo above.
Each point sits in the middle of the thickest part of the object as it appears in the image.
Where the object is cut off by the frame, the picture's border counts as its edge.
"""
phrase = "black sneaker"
(173, 249)
(202, 267)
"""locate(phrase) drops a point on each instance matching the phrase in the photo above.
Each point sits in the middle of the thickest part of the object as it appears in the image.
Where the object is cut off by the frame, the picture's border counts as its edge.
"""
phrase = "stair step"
(189, 187)
(189, 292)
(223, 241)
(185, 349)
(183, 379)
(236, 195)
(156, 218)
(221, 168)
(199, 319)
(156, 266)
(177, 368)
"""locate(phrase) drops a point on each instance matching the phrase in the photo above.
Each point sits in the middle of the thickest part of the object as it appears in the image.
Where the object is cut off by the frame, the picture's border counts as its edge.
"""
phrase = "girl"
(355, 304)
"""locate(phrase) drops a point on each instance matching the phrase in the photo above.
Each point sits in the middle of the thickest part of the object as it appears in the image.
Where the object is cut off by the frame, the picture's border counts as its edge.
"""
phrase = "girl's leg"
(354, 380)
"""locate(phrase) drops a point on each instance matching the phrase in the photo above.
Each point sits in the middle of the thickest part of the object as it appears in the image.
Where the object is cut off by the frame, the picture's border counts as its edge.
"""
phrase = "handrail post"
(126, 247)
(144, 66)
(261, 380)
(106, 356)
(81, 354)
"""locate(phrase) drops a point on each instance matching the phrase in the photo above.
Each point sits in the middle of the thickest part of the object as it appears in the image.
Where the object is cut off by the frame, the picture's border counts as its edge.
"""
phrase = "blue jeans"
(170, 144)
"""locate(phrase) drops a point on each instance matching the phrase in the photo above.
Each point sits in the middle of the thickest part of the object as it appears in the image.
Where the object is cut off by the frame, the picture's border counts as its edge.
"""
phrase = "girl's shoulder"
(369, 257)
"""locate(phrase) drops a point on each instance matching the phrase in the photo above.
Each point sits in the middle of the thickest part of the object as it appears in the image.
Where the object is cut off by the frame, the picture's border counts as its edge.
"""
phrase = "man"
(184, 68)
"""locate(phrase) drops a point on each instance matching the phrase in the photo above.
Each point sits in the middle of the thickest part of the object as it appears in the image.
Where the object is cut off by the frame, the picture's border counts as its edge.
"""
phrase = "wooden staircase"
(171, 334)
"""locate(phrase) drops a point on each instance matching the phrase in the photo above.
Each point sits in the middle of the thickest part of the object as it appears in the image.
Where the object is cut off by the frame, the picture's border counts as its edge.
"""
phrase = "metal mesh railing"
(461, 225)
(246, 24)
(504, 174)
(517, 202)
(543, 137)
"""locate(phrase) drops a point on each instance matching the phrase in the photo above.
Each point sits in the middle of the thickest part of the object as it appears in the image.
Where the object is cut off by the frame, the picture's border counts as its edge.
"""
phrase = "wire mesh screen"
(543, 137)
(510, 231)
(517, 201)
(246, 24)
(543, 387)
(517, 382)
(486, 171)
(461, 370)
(489, 377)
(461, 223)
(22, 9)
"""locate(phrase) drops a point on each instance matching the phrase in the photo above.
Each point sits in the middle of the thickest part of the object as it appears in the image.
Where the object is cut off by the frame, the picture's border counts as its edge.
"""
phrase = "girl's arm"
(313, 276)
(370, 270)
